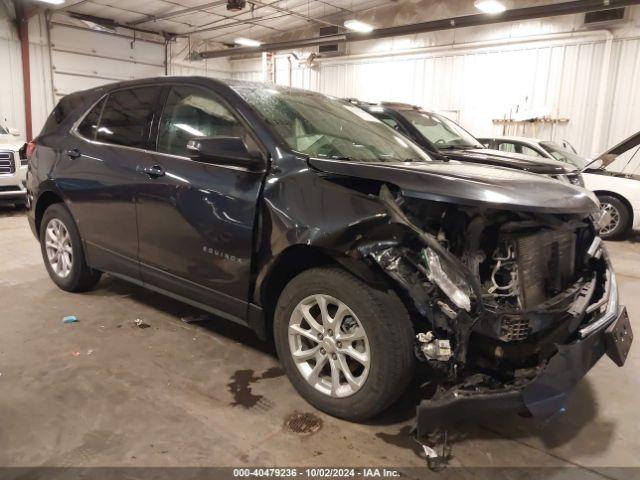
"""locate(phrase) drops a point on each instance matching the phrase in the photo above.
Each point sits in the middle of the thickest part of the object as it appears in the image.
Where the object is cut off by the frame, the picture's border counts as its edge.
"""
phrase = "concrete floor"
(105, 392)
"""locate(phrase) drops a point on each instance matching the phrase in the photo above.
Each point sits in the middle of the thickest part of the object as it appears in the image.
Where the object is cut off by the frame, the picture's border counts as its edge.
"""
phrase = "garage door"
(84, 59)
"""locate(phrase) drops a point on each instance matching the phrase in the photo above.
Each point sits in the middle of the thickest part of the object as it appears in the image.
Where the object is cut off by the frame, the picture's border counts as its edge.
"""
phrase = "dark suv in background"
(306, 218)
(441, 137)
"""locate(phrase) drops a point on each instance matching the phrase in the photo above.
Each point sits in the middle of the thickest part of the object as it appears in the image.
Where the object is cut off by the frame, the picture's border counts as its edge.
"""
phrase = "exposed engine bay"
(494, 291)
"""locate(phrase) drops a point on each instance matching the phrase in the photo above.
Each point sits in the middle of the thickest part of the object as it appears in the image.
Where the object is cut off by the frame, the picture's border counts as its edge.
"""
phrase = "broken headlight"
(452, 283)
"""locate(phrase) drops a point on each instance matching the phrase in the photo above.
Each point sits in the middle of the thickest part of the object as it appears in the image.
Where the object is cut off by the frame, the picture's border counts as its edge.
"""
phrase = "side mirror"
(224, 151)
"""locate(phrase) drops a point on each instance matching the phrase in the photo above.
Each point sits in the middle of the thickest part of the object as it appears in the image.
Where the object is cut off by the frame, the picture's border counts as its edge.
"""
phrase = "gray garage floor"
(105, 392)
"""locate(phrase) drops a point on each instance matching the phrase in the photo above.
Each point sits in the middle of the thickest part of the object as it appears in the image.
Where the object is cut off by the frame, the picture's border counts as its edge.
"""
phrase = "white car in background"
(619, 193)
(13, 168)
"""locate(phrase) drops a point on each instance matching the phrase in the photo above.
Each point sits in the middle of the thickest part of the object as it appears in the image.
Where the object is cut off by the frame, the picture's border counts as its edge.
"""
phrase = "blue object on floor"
(70, 319)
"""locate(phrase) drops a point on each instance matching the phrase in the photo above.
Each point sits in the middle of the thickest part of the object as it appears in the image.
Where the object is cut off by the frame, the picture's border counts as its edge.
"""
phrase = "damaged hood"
(511, 160)
(466, 184)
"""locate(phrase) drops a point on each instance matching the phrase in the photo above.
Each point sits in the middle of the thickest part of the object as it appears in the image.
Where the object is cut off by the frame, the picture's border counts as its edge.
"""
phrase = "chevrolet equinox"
(308, 220)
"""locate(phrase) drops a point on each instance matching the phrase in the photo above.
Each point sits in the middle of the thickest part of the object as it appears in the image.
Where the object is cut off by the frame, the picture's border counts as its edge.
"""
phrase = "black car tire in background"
(80, 277)
(620, 214)
(389, 333)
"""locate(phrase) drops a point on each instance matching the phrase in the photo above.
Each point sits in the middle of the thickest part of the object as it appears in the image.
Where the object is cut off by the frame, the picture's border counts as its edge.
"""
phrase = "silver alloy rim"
(615, 218)
(58, 246)
(329, 346)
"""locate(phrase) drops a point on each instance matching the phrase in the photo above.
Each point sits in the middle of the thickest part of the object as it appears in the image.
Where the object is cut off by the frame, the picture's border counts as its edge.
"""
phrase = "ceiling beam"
(516, 14)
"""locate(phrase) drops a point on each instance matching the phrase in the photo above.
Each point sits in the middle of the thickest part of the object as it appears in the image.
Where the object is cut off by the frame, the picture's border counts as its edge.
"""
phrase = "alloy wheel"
(329, 346)
(58, 247)
(614, 221)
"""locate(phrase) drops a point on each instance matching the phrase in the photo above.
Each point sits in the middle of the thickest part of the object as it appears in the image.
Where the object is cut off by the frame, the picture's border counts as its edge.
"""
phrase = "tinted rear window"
(60, 112)
(127, 116)
(89, 126)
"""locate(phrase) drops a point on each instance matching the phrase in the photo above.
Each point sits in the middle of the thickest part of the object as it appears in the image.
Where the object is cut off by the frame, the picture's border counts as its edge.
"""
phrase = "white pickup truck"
(13, 168)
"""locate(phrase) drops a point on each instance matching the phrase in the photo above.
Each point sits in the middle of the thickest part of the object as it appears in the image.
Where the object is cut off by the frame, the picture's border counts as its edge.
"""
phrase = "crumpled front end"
(512, 309)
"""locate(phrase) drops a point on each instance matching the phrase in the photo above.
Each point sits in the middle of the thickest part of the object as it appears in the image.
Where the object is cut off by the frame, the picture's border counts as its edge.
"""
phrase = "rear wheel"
(620, 217)
(62, 251)
(346, 347)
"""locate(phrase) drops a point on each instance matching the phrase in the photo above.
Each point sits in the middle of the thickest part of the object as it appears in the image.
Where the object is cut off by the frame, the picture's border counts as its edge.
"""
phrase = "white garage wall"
(479, 84)
(490, 71)
(78, 59)
(475, 74)
(83, 59)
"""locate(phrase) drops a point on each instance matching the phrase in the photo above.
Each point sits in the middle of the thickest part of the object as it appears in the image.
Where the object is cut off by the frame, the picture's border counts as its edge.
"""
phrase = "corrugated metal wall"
(473, 83)
(479, 84)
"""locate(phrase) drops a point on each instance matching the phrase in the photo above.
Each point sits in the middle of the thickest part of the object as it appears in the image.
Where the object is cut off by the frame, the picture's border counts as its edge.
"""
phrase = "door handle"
(73, 153)
(155, 171)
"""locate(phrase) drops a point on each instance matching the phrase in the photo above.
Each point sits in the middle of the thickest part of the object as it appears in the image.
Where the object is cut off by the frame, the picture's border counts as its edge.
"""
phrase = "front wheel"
(346, 347)
(619, 217)
(62, 251)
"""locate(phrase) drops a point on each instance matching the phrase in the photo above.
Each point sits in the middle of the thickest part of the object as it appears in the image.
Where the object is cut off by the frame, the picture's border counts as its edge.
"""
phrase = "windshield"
(560, 153)
(325, 127)
(440, 131)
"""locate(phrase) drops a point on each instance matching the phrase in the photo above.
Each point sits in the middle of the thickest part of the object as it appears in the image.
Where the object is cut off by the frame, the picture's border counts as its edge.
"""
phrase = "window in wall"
(191, 112)
(127, 116)
(89, 125)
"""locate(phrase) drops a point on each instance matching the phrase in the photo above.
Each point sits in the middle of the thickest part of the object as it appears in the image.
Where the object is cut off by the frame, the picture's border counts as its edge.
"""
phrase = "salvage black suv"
(306, 218)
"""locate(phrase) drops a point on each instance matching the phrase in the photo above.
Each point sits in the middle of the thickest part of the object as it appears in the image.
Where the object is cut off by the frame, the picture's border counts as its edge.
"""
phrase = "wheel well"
(291, 262)
(619, 197)
(44, 201)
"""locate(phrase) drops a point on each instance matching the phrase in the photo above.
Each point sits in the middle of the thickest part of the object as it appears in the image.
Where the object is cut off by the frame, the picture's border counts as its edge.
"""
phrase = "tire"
(388, 341)
(621, 217)
(79, 277)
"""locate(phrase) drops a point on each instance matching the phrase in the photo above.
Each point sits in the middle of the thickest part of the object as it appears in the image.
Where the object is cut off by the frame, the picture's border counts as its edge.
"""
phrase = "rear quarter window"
(61, 112)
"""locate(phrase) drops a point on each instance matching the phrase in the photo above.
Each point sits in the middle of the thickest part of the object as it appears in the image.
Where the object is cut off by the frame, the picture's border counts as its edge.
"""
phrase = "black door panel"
(98, 175)
(196, 220)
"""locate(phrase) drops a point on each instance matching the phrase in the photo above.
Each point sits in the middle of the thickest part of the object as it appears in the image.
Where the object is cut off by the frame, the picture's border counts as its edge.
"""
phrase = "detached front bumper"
(547, 393)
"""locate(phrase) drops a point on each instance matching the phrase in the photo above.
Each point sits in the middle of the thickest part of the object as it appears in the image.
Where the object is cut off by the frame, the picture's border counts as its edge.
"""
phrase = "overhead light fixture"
(358, 26)
(490, 6)
(52, 2)
(247, 42)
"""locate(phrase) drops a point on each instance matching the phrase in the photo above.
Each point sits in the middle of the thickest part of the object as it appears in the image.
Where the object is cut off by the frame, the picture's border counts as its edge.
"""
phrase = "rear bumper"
(543, 396)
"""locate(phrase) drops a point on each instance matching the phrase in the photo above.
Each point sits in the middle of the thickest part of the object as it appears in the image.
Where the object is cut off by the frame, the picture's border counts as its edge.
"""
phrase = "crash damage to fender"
(510, 289)
(512, 292)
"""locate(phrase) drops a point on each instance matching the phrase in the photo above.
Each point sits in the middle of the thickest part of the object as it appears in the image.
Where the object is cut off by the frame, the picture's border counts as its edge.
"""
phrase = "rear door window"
(89, 125)
(127, 116)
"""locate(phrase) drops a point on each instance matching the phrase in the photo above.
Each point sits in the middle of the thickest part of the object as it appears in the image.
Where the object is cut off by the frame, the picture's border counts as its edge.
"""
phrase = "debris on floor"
(140, 324)
(75, 354)
(90, 351)
(436, 461)
(195, 319)
(69, 319)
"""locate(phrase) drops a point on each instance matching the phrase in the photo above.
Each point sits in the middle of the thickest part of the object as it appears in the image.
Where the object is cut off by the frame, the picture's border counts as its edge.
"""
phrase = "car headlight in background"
(450, 282)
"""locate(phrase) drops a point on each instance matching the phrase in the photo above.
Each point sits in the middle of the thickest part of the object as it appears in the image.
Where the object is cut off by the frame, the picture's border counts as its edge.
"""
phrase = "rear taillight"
(31, 149)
